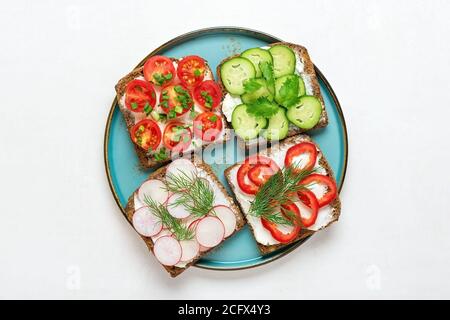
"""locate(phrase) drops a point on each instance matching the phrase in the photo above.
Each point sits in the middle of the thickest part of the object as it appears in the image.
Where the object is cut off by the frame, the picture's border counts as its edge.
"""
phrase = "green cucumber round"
(283, 60)
(245, 125)
(278, 126)
(256, 56)
(306, 113)
(250, 97)
(235, 72)
(279, 83)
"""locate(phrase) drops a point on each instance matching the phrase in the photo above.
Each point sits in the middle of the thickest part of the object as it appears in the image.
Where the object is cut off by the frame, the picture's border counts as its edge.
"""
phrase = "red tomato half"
(326, 182)
(310, 200)
(191, 71)
(138, 94)
(177, 136)
(159, 70)
(146, 134)
(243, 179)
(177, 98)
(295, 156)
(288, 210)
(208, 95)
(208, 126)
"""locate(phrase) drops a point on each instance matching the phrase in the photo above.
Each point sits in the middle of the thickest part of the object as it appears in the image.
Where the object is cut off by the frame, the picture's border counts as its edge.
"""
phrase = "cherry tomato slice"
(295, 156)
(175, 100)
(177, 136)
(309, 199)
(146, 134)
(159, 70)
(288, 210)
(191, 71)
(208, 95)
(138, 94)
(246, 185)
(326, 182)
(208, 126)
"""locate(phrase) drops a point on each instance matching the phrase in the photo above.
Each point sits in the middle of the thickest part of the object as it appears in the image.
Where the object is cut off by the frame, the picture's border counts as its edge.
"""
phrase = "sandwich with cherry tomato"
(286, 192)
(182, 212)
(271, 93)
(170, 108)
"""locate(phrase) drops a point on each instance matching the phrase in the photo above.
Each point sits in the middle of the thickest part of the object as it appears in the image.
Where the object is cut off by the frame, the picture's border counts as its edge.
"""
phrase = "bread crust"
(335, 204)
(146, 161)
(160, 175)
(309, 69)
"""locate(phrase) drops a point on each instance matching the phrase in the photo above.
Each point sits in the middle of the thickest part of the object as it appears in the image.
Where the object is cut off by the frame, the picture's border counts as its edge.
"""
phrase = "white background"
(388, 62)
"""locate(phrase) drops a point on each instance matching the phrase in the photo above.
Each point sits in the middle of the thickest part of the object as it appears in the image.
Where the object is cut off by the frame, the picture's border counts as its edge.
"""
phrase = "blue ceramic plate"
(214, 45)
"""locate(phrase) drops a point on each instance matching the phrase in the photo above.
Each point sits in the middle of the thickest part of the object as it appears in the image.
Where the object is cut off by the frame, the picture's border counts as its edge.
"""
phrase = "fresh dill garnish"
(195, 193)
(180, 231)
(278, 190)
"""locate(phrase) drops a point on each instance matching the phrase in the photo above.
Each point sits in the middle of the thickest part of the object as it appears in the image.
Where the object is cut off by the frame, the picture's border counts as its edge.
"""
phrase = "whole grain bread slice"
(309, 71)
(335, 204)
(147, 161)
(160, 175)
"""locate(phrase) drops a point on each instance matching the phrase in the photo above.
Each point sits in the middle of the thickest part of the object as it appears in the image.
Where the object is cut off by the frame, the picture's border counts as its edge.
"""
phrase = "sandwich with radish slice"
(286, 192)
(182, 212)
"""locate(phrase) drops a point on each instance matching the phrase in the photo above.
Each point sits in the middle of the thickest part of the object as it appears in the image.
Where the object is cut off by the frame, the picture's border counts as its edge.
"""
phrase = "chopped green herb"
(208, 99)
(134, 105)
(168, 76)
(172, 114)
(213, 118)
(197, 73)
(147, 109)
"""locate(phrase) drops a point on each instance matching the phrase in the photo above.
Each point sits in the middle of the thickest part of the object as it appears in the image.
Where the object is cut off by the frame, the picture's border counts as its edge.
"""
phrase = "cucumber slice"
(278, 126)
(283, 60)
(245, 125)
(256, 56)
(306, 113)
(235, 72)
(250, 97)
(279, 83)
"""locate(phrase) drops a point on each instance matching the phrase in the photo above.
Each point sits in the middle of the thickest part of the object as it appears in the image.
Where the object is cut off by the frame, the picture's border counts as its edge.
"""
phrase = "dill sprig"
(278, 190)
(195, 193)
(180, 231)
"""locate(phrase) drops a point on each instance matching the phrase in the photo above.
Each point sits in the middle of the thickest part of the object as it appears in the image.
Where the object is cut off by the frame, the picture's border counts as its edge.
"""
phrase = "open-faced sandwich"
(271, 93)
(170, 108)
(286, 192)
(182, 212)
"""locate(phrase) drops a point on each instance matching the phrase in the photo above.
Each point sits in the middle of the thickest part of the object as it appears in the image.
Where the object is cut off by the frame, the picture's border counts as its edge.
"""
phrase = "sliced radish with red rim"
(164, 232)
(146, 223)
(182, 167)
(190, 249)
(228, 218)
(167, 250)
(153, 189)
(176, 210)
(210, 231)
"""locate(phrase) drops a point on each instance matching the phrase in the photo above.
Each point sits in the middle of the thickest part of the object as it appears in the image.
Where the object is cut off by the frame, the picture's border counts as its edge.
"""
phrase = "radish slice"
(146, 223)
(210, 231)
(176, 211)
(167, 250)
(192, 221)
(190, 249)
(181, 166)
(164, 232)
(153, 189)
(228, 218)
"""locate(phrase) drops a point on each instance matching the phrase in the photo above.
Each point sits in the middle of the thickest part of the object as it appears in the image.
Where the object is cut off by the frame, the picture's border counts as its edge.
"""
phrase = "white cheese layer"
(262, 235)
(220, 198)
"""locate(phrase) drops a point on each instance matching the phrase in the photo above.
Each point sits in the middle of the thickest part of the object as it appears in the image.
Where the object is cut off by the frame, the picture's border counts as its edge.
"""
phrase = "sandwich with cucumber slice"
(271, 93)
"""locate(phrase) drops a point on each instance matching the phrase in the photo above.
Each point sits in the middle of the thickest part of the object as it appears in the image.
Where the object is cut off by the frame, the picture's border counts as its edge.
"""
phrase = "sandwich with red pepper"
(170, 108)
(286, 192)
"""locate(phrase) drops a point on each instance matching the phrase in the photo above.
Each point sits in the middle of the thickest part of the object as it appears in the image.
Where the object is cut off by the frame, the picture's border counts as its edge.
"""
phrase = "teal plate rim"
(261, 36)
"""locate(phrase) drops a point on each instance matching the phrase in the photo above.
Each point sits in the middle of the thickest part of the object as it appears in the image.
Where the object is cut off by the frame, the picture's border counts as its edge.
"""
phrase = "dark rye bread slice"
(145, 160)
(160, 174)
(308, 70)
(335, 205)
